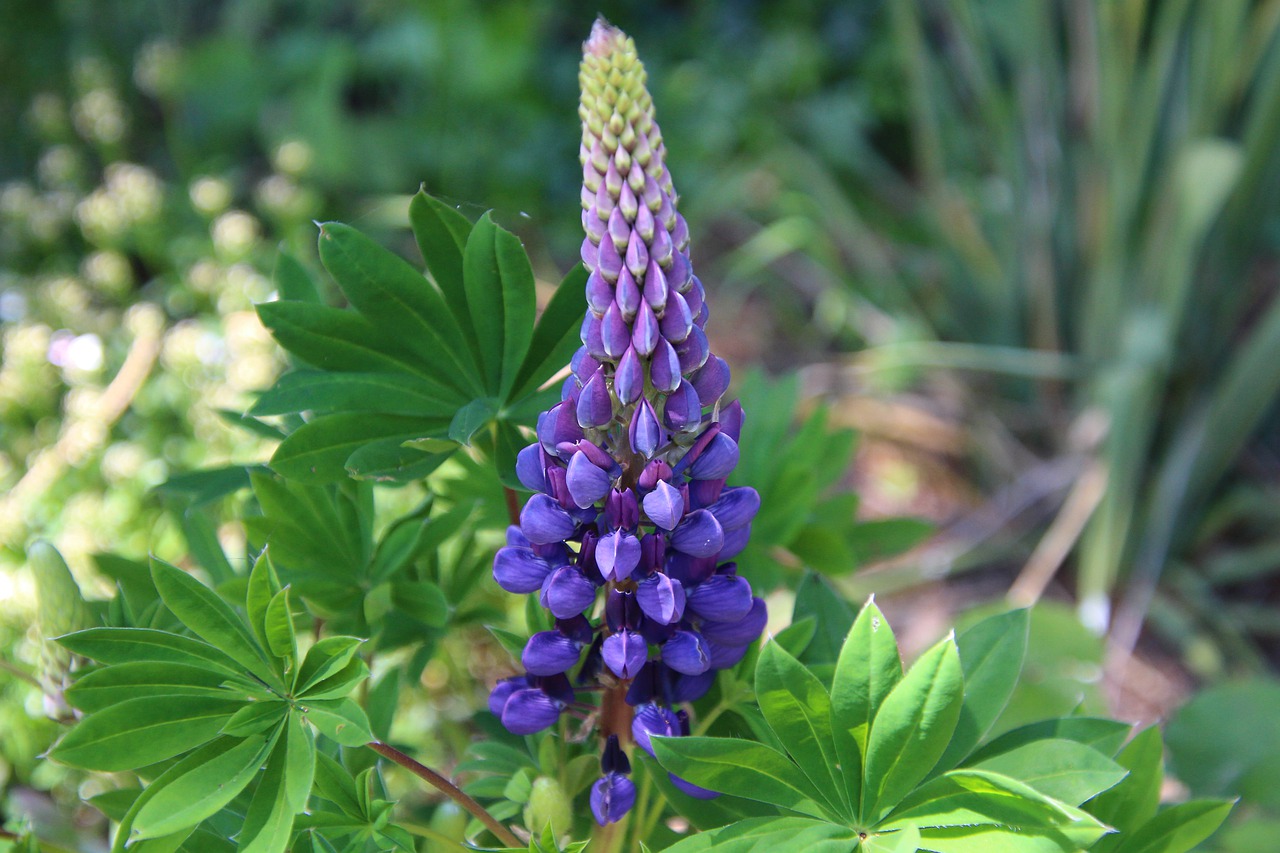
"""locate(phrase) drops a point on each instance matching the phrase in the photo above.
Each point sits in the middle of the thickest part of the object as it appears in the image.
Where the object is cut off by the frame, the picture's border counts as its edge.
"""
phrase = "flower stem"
(449, 789)
(513, 504)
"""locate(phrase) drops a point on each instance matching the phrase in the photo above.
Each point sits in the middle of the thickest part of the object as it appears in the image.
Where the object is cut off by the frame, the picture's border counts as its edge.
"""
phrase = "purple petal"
(691, 789)
(589, 252)
(704, 493)
(625, 653)
(651, 719)
(739, 633)
(519, 570)
(736, 507)
(735, 541)
(595, 406)
(731, 420)
(664, 505)
(686, 652)
(645, 335)
(645, 433)
(698, 535)
(680, 276)
(655, 286)
(600, 294)
(528, 711)
(566, 592)
(608, 261)
(614, 333)
(680, 234)
(621, 510)
(644, 222)
(693, 351)
(586, 482)
(549, 653)
(619, 229)
(695, 296)
(590, 336)
(531, 468)
(661, 598)
(717, 461)
(637, 255)
(655, 471)
(544, 521)
(502, 692)
(683, 410)
(628, 295)
(612, 796)
(712, 380)
(725, 657)
(664, 367)
(677, 320)
(617, 555)
(691, 688)
(721, 598)
(628, 378)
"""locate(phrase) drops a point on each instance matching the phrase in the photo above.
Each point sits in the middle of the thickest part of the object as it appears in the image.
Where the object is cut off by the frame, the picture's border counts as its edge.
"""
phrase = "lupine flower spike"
(629, 469)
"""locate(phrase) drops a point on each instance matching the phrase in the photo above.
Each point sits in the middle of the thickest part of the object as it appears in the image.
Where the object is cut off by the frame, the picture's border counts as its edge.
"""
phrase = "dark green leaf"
(263, 585)
(292, 280)
(832, 616)
(868, 668)
(138, 732)
(340, 683)
(471, 418)
(255, 717)
(317, 452)
(399, 300)
(334, 783)
(209, 617)
(199, 789)
(741, 768)
(1104, 735)
(324, 658)
(336, 340)
(912, 727)
(1134, 801)
(300, 762)
(441, 233)
(555, 337)
(281, 640)
(326, 393)
(500, 298)
(991, 654)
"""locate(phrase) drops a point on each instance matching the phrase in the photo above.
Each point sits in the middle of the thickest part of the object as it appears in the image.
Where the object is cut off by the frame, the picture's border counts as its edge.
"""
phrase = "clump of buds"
(629, 537)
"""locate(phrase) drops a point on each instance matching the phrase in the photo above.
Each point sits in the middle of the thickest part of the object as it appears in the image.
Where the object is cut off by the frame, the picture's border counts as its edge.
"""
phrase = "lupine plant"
(256, 712)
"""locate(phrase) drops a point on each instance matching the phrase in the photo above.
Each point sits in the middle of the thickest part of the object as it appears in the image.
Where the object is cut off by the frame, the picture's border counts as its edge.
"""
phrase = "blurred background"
(1028, 253)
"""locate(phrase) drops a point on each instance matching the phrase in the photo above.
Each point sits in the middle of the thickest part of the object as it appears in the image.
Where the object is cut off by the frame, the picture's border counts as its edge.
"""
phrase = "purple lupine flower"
(629, 468)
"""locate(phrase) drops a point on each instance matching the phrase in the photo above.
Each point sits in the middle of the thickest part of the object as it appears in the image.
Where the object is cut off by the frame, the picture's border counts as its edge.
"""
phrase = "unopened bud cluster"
(629, 533)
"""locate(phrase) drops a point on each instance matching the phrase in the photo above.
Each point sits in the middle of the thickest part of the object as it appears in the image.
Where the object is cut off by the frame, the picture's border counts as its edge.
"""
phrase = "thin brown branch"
(513, 505)
(449, 789)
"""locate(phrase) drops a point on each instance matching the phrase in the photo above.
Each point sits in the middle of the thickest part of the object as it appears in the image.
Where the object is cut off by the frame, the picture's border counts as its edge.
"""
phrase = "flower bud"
(686, 652)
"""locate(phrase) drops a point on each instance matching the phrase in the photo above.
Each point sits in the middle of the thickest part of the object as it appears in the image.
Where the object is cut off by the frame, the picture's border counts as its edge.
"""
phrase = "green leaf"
(905, 840)
(269, 821)
(317, 451)
(832, 615)
(138, 732)
(469, 419)
(973, 798)
(300, 758)
(340, 720)
(994, 839)
(1062, 769)
(203, 783)
(334, 783)
(866, 671)
(741, 768)
(281, 639)
(798, 709)
(991, 654)
(324, 658)
(441, 233)
(1134, 801)
(341, 683)
(1178, 828)
(500, 297)
(209, 617)
(325, 393)
(128, 645)
(335, 340)
(422, 600)
(1102, 734)
(555, 336)
(256, 717)
(399, 301)
(912, 728)
(765, 834)
(292, 280)
(111, 685)
(263, 585)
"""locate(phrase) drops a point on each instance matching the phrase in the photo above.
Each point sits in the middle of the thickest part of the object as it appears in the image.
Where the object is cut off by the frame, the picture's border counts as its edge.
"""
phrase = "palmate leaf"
(101, 688)
(1134, 801)
(771, 833)
(742, 768)
(1063, 769)
(142, 731)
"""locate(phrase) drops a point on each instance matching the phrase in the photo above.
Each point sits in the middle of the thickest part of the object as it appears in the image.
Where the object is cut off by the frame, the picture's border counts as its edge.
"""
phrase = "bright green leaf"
(798, 709)
(441, 233)
(866, 671)
(912, 727)
(741, 768)
(111, 685)
(269, 821)
(278, 626)
(1134, 801)
(255, 717)
(324, 393)
(300, 761)
(1178, 828)
(128, 645)
(1062, 769)
(318, 451)
(339, 720)
(324, 658)
(500, 298)
(142, 731)
(555, 338)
